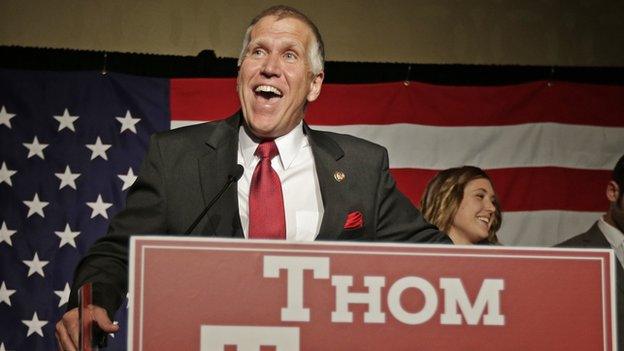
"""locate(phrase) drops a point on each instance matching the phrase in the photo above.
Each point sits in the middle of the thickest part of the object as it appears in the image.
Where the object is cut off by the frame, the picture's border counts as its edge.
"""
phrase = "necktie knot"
(267, 149)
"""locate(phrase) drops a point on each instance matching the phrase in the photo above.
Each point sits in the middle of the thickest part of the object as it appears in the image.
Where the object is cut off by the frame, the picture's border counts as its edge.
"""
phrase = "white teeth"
(484, 219)
(268, 89)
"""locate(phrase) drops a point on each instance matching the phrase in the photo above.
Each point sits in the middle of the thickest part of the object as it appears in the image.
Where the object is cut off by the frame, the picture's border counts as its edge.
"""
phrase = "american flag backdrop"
(71, 144)
(549, 146)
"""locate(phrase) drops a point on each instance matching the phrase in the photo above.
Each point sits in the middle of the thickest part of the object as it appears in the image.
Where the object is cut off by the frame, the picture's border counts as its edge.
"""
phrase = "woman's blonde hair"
(445, 192)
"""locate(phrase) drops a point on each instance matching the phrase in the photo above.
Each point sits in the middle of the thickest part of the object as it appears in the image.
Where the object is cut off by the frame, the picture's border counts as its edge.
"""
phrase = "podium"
(257, 295)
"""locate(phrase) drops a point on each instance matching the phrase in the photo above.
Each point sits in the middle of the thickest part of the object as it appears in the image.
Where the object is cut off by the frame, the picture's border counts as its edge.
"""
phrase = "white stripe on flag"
(182, 123)
(543, 228)
(526, 145)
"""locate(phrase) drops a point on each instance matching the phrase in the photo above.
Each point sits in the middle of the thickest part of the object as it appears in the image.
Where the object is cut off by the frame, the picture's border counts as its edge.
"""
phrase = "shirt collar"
(614, 236)
(288, 146)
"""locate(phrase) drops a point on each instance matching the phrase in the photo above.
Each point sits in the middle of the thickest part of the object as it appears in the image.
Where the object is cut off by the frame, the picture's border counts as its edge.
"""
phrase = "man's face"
(274, 80)
(617, 210)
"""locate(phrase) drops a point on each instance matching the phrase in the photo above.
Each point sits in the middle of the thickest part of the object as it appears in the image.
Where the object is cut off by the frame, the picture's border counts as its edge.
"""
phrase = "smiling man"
(297, 184)
(280, 72)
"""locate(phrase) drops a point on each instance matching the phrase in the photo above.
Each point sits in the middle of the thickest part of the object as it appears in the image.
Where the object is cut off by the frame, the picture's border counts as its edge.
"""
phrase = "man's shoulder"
(213, 133)
(578, 240)
(193, 140)
(347, 141)
(191, 130)
(591, 238)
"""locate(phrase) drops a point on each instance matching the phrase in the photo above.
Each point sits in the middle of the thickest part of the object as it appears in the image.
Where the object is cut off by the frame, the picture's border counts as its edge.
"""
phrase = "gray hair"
(316, 51)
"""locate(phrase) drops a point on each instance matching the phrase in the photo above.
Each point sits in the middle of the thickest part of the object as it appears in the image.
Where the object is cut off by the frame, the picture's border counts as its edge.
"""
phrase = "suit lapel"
(619, 278)
(215, 165)
(326, 155)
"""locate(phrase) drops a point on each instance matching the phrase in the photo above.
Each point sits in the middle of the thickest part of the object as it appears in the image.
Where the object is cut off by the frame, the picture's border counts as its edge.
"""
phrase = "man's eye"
(257, 52)
(290, 56)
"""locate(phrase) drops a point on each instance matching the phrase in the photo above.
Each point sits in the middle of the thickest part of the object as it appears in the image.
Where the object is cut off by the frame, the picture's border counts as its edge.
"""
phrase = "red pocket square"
(354, 220)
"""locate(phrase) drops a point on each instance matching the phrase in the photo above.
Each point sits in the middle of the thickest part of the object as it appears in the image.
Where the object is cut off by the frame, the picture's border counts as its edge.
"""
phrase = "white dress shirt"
(615, 238)
(300, 187)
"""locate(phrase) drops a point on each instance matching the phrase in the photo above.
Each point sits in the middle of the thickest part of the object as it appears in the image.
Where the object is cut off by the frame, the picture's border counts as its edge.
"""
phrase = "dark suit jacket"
(593, 238)
(184, 169)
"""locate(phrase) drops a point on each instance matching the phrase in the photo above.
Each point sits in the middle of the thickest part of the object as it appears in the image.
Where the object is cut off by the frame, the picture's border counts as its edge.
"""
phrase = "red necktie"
(266, 204)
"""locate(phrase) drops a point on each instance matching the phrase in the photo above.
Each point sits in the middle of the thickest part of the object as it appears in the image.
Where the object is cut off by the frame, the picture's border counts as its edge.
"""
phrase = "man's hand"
(68, 328)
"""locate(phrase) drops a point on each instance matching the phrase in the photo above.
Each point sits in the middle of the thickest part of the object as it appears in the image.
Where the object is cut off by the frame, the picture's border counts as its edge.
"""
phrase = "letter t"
(295, 265)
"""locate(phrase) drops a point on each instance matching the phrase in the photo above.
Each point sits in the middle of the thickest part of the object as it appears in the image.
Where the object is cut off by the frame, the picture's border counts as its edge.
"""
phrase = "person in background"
(462, 203)
(608, 232)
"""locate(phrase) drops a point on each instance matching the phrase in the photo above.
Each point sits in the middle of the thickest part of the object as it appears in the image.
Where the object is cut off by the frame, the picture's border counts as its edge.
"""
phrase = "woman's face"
(475, 214)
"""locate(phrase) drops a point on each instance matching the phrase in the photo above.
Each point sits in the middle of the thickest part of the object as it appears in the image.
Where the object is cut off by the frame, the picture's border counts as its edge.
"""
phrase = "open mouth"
(268, 92)
(485, 220)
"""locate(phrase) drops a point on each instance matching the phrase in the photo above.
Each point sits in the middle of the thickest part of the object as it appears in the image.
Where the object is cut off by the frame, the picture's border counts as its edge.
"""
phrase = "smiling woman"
(462, 203)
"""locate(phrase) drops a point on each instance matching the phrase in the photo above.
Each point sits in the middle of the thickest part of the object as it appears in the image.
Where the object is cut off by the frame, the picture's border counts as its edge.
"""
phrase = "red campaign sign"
(206, 294)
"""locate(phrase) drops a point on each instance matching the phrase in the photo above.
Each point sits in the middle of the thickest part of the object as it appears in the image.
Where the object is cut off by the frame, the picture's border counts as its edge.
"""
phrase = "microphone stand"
(232, 178)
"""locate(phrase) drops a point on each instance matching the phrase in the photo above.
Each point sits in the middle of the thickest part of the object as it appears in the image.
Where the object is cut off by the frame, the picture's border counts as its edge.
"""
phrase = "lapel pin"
(339, 176)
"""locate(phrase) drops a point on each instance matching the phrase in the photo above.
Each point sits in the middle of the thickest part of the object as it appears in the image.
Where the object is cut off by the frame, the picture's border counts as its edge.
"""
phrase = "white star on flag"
(99, 207)
(35, 148)
(67, 236)
(35, 265)
(66, 121)
(128, 179)
(34, 325)
(5, 117)
(5, 234)
(5, 294)
(5, 174)
(98, 149)
(128, 123)
(63, 294)
(68, 178)
(35, 206)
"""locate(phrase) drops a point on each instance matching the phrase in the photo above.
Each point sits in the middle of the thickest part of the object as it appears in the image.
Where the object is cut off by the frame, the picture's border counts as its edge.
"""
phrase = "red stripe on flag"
(465, 106)
(528, 189)
(201, 99)
(559, 102)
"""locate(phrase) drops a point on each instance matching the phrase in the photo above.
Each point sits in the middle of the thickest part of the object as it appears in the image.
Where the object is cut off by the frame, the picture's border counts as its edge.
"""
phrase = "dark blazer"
(184, 168)
(593, 238)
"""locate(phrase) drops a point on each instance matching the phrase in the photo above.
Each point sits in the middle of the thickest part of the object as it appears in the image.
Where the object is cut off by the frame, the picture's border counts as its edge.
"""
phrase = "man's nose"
(271, 66)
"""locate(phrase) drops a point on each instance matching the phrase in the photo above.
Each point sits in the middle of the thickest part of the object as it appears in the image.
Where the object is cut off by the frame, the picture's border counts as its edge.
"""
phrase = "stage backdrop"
(71, 145)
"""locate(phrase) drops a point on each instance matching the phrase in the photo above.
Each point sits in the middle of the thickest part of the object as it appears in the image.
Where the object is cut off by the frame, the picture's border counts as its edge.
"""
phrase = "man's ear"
(315, 86)
(613, 191)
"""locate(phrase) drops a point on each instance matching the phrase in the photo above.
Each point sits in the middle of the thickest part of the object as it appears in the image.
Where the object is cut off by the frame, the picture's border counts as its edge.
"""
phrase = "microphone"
(233, 177)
